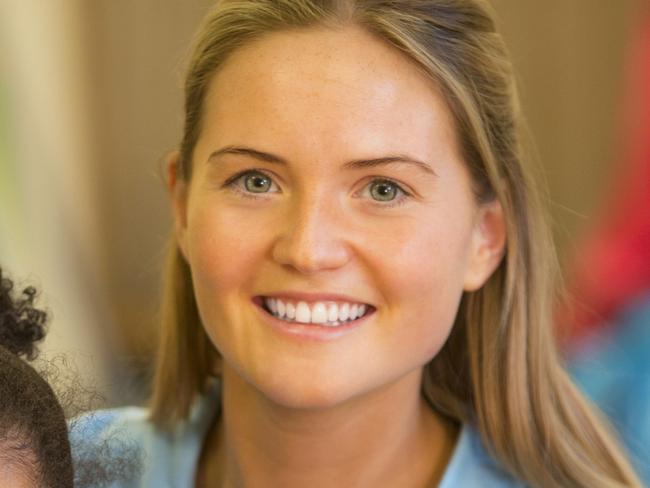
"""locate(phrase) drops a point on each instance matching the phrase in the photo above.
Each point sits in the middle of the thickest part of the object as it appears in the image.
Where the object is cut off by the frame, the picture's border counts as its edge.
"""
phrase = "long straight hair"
(499, 370)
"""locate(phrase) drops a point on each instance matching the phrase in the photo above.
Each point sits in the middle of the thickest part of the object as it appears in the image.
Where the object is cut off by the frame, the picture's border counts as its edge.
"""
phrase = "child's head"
(34, 446)
(318, 102)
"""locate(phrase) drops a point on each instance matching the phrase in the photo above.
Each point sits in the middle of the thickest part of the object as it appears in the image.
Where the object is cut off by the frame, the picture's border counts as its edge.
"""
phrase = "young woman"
(360, 280)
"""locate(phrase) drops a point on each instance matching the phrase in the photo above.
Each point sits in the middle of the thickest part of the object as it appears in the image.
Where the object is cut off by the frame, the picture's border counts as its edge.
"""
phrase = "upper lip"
(313, 297)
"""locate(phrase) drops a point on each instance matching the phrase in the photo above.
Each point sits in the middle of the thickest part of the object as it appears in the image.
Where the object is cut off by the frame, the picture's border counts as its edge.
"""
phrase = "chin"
(309, 394)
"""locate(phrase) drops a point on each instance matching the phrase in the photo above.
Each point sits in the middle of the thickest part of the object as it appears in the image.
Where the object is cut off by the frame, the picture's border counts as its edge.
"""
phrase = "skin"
(344, 412)
(16, 475)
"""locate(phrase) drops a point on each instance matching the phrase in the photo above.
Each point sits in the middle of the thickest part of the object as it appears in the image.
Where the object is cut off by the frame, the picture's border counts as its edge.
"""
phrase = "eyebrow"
(354, 164)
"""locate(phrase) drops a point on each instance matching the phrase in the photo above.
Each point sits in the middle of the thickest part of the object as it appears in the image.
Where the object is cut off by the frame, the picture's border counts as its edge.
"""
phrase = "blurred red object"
(612, 262)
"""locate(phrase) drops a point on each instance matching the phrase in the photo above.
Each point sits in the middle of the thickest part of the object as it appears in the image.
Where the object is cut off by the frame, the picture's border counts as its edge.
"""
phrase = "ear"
(178, 193)
(487, 247)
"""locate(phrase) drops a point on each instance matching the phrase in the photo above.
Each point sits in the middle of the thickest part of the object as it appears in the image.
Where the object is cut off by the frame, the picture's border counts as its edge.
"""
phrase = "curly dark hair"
(21, 325)
(35, 439)
(33, 430)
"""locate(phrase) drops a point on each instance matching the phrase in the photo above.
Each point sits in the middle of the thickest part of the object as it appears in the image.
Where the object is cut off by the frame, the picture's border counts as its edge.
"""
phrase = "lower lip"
(312, 332)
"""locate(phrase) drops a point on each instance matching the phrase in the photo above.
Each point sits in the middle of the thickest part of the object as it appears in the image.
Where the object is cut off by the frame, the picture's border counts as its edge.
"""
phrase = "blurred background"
(90, 103)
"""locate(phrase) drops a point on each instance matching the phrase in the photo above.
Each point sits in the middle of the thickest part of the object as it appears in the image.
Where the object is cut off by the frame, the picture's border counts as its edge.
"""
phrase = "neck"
(387, 437)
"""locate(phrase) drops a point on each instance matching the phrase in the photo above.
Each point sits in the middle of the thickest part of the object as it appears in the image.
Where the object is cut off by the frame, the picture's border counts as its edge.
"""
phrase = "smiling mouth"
(326, 314)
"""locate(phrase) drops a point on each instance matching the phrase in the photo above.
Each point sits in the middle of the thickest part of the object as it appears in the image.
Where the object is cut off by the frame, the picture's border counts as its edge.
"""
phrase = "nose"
(312, 237)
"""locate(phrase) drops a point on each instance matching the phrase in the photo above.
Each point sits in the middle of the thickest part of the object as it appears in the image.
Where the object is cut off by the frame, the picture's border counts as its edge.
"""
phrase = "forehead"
(18, 472)
(329, 86)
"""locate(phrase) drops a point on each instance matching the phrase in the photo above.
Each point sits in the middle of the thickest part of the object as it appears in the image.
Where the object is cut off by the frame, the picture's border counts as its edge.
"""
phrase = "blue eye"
(251, 181)
(383, 190)
(386, 193)
(257, 183)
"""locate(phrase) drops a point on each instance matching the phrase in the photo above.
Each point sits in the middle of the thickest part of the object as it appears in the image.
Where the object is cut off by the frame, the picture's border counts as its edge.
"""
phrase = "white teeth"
(332, 312)
(291, 311)
(319, 313)
(329, 314)
(354, 309)
(344, 312)
(303, 314)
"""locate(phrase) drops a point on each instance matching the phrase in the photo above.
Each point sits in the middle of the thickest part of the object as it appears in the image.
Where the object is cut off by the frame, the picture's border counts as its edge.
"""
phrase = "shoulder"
(100, 423)
(121, 448)
(110, 447)
(472, 465)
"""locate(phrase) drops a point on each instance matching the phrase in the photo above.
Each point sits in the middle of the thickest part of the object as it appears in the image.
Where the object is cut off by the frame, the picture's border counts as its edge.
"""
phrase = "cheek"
(423, 283)
(221, 246)
(429, 254)
(225, 251)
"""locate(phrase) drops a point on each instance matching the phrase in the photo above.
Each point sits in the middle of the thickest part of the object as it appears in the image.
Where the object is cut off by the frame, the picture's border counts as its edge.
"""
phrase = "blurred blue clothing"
(169, 459)
(612, 366)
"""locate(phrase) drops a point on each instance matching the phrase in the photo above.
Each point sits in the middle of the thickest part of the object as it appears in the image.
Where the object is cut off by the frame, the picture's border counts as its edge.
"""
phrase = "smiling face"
(328, 165)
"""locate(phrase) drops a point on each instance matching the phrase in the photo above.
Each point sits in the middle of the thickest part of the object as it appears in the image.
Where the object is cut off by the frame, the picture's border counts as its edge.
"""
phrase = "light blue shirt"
(123, 437)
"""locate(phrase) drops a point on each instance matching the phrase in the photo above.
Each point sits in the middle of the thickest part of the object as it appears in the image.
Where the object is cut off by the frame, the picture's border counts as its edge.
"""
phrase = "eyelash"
(402, 198)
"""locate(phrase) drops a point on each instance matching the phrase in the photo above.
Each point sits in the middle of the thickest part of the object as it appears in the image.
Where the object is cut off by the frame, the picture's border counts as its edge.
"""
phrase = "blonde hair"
(499, 369)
